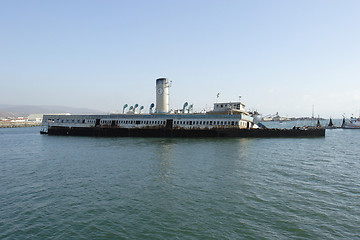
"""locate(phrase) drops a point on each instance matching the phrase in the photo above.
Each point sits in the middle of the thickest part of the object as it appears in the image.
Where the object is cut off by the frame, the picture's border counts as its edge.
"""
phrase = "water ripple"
(133, 188)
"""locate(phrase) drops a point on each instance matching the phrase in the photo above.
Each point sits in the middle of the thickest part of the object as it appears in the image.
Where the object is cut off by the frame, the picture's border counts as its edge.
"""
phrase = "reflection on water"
(165, 158)
(153, 188)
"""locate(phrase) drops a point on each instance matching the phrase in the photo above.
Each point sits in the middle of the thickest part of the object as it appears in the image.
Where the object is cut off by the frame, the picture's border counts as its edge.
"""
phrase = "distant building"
(19, 120)
(35, 117)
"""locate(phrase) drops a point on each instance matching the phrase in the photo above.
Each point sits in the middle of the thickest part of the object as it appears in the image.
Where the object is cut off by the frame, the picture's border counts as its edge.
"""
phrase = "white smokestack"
(162, 95)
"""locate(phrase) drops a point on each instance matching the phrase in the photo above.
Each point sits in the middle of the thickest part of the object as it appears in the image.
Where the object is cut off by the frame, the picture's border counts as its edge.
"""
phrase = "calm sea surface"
(54, 187)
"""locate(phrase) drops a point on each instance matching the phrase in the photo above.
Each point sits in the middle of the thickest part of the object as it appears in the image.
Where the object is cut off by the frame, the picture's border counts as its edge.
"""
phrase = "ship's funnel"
(162, 95)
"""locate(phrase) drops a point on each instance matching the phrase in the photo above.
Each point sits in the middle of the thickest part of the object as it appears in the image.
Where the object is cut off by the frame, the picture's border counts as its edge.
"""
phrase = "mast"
(312, 115)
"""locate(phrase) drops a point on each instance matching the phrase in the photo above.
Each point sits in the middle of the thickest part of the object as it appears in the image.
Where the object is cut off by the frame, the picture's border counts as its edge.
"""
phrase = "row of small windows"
(106, 121)
(221, 123)
(71, 120)
(131, 122)
(228, 105)
(148, 122)
(233, 123)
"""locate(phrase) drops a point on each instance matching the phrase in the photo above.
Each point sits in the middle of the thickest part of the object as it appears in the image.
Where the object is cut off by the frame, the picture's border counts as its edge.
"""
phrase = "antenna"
(312, 116)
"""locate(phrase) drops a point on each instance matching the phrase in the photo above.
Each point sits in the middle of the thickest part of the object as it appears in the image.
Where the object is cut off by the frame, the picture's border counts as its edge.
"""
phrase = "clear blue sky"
(280, 56)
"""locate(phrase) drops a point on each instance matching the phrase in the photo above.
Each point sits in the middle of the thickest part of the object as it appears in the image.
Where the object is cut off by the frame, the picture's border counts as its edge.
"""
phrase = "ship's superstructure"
(226, 120)
(150, 121)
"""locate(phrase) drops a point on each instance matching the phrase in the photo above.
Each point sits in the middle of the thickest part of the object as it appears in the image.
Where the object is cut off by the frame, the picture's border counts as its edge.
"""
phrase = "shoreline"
(18, 125)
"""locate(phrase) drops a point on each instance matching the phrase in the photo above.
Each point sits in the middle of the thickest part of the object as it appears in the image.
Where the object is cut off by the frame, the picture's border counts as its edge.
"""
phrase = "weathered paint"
(176, 133)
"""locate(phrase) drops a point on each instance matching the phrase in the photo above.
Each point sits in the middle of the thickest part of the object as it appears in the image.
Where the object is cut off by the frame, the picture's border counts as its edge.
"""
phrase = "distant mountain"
(26, 110)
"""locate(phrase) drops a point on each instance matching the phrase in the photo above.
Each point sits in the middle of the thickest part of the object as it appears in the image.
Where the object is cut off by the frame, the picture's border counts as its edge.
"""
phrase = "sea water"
(61, 187)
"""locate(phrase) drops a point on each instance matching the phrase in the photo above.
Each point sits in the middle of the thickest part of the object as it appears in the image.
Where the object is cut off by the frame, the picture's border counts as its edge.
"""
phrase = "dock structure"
(19, 124)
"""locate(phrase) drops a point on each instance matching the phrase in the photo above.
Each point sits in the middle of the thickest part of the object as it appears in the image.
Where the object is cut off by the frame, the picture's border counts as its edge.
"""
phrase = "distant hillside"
(26, 110)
